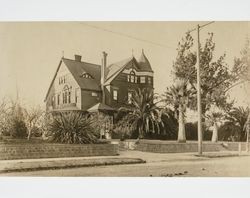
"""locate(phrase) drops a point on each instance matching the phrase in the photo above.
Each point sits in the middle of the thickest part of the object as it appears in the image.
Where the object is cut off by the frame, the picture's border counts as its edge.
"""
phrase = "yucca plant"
(72, 128)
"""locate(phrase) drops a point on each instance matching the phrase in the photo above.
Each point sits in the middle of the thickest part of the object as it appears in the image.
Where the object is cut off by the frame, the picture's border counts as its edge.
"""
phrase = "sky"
(30, 51)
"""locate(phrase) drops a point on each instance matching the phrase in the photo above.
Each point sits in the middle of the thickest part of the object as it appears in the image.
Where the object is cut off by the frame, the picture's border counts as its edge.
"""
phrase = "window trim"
(113, 95)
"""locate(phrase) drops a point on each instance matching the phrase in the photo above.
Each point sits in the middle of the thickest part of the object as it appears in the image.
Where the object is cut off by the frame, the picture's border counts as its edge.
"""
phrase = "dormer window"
(86, 75)
(132, 77)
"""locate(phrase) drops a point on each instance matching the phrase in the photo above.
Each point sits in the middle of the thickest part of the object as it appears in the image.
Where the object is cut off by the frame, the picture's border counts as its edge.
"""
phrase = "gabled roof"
(114, 69)
(144, 63)
(77, 68)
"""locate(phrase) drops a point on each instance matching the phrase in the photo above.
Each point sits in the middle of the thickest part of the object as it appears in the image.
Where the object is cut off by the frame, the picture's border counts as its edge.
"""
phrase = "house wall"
(121, 84)
(57, 89)
(89, 100)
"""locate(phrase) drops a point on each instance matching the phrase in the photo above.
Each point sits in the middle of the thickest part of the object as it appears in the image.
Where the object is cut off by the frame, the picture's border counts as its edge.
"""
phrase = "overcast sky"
(30, 52)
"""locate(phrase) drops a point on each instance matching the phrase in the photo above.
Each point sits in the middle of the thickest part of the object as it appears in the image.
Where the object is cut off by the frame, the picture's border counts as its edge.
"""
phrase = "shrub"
(192, 131)
(72, 128)
(18, 129)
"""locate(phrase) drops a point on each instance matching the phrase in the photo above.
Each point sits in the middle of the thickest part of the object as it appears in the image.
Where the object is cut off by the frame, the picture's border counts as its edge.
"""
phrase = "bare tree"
(32, 118)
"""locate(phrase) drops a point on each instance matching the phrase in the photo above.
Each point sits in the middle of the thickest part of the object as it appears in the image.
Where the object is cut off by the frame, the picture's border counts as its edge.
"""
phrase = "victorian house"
(78, 85)
(81, 86)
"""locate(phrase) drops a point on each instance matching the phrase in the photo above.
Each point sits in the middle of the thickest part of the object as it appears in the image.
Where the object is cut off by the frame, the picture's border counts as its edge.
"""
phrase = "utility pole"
(200, 133)
(199, 93)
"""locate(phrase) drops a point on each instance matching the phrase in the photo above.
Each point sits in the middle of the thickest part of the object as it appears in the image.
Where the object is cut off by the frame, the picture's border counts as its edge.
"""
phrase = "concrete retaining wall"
(158, 146)
(33, 151)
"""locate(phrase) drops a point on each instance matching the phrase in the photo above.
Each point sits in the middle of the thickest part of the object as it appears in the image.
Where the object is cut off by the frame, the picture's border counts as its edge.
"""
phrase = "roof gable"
(115, 68)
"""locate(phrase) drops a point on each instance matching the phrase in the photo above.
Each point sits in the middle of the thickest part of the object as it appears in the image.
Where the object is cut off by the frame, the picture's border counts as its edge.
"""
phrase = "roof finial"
(142, 51)
(132, 52)
(63, 54)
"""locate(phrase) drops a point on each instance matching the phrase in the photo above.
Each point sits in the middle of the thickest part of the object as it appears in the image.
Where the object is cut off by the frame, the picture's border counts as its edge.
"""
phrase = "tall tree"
(178, 97)
(215, 75)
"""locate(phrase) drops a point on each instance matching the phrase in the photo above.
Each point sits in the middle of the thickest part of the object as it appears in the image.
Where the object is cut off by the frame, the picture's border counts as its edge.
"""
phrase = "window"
(115, 94)
(149, 80)
(77, 95)
(58, 99)
(62, 80)
(66, 95)
(93, 94)
(132, 77)
(143, 79)
(130, 94)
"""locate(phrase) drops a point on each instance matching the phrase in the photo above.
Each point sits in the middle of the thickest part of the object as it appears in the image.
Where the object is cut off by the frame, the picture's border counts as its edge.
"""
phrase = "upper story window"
(115, 94)
(143, 79)
(62, 80)
(132, 77)
(149, 80)
(66, 95)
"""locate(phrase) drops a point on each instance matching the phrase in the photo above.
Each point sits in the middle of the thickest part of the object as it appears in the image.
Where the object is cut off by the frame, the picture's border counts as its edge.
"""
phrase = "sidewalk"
(125, 157)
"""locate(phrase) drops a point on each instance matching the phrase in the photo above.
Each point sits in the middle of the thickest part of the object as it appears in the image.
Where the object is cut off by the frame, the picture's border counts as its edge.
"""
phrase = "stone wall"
(33, 151)
(158, 146)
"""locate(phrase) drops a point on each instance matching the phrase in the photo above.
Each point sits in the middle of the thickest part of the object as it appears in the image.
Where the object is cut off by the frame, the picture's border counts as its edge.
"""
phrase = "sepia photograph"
(125, 98)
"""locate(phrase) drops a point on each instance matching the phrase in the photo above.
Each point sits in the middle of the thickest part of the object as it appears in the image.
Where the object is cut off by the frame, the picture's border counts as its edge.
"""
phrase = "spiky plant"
(72, 128)
(142, 114)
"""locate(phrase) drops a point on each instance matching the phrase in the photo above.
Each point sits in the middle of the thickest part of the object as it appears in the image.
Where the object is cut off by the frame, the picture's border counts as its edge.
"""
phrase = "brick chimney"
(103, 74)
(78, 58)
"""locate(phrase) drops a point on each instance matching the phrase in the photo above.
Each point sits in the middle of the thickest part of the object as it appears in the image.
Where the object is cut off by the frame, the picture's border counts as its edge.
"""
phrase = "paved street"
(166, 165)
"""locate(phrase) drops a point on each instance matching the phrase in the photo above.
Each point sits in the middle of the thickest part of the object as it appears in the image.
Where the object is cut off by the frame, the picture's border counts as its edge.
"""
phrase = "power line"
(126, 35)
(200, 26)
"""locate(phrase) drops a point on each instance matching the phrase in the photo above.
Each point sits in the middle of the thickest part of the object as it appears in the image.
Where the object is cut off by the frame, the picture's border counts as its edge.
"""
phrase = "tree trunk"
(215, 133)
(140, 133)
(181, 130)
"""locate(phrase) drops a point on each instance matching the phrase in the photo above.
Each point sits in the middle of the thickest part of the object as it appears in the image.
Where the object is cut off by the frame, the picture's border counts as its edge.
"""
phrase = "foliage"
(238, 116)
(215, 75)
(72, 128)
(241, 68)
(229, 132)
(192, 131)
(142, 114)
(15, 120)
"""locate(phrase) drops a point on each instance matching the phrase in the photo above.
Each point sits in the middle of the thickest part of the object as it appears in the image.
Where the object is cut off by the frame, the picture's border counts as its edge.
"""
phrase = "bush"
(229, 132)
(72, 128)
(18, 129)
(192, 132)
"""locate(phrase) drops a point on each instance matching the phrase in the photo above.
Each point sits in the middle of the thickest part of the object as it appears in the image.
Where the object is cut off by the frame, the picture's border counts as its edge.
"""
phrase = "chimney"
(103, 74)
(78, 58)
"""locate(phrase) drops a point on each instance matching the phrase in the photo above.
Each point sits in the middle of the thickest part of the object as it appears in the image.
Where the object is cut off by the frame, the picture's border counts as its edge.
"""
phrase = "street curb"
(27, 166)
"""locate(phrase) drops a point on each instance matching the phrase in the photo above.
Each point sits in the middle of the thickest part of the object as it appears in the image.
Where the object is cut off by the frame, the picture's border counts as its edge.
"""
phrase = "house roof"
(100, 107)
(144, 63)
(114, 69)
(77, 68)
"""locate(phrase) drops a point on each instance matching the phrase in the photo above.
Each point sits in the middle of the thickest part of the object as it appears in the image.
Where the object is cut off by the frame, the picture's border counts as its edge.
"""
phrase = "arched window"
(66, 94)
(132, 77)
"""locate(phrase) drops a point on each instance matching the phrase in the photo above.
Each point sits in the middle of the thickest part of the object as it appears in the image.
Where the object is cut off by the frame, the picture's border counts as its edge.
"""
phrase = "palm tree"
(178, 96)
(213, 118)
(238, 116)
(142, 113)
